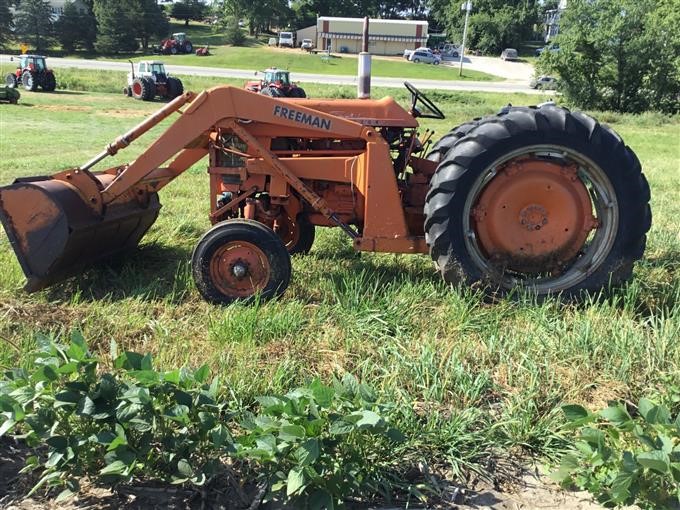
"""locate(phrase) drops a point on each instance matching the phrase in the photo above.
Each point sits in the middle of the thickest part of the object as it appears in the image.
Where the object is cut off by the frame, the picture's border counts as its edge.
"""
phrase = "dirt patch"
(63, 108)
(42, 316)
(121, 113)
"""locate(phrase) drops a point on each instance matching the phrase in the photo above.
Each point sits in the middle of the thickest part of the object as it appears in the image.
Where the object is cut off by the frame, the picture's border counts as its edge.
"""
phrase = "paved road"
(481, 86)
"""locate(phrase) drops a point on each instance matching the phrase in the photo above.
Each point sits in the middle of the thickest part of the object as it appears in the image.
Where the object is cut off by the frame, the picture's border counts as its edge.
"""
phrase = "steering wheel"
(417, 95)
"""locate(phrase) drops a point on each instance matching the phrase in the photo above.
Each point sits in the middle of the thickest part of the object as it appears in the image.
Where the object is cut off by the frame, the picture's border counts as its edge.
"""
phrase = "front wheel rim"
(600, 217)
(239, 269)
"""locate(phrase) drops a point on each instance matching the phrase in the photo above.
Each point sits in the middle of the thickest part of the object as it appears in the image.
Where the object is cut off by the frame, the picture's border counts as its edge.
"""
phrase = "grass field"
(472, 380)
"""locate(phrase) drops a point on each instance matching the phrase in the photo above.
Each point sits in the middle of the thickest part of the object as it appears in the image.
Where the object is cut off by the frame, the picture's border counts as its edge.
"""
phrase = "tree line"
(106, 26)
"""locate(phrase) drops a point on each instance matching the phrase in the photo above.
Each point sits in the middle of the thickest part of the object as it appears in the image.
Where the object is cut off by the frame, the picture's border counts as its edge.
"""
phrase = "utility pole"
(467, 7)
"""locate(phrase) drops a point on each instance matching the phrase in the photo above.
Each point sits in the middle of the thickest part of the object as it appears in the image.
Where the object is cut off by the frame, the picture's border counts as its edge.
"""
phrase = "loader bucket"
(55, 234)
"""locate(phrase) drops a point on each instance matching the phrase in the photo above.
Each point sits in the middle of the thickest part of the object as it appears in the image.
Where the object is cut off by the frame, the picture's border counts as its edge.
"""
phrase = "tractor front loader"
(538, 198)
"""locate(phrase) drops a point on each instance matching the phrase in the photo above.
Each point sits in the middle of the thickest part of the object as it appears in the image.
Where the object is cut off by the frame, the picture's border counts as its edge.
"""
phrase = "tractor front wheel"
(541, 199)
(137, 88)
(11, 80)
(271, 92)
(49, 83)
(29, 81)
(240, 260)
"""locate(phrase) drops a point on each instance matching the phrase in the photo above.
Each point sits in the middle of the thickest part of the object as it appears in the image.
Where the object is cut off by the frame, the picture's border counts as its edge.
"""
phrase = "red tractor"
(276, 83)
(178, 43)
(32, 72)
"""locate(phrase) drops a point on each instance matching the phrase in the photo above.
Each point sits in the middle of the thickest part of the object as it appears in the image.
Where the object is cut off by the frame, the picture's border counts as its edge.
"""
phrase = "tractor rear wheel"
(49, 83)
(445, 143)
(29, 81)
(240, 260)
(541, 199)
(297, 92)
(297, 235)
(11, 80)
(175, 88)
(188, 47)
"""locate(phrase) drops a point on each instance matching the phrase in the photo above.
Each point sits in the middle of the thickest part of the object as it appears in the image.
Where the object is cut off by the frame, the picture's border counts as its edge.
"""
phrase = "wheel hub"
(534, 215)
(240, 269)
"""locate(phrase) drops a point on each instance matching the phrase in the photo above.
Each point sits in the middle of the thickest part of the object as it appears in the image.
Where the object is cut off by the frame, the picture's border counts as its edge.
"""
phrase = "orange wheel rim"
(534, 215)
(288, 230)
(239, 269)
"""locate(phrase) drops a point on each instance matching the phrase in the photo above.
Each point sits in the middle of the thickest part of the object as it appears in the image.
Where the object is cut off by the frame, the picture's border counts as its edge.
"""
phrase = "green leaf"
(395, 435)
(6, 426)
(367, 393)
(146, 363)
(115, 468)
(308, 452)
(350, 386)
(58, 443)
(171, 377)
(86, 407)
(321, 500)
(573, 412)
(296, 481)
(369, 419)
(220, 436)
(64, 495)
(616, 414)
(185, 469)
(341, 427)
(620, 487)
(291, 432)
(67, 398)
(201, 374)
(656, 461)
(323, 395)
(148, 377)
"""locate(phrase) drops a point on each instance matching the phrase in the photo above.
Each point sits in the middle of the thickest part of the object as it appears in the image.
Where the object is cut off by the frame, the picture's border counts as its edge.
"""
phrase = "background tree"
(6, 23)
(188, 10)
(33, 22)
(115, 26)
(494, 24)
(619, 55)
(149, 21)
(76, 27)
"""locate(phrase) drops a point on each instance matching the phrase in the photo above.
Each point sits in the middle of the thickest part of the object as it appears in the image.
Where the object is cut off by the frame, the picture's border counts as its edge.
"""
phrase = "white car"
(544, 82)
(408, 53)
(426, 57)
(307, 45)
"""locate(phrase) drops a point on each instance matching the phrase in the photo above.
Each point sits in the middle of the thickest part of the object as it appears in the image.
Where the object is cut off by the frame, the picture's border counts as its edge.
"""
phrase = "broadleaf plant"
(624, 459)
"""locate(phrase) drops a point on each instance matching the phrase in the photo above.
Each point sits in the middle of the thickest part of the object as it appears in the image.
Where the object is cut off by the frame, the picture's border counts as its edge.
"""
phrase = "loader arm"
(59, 223)
(217, 107)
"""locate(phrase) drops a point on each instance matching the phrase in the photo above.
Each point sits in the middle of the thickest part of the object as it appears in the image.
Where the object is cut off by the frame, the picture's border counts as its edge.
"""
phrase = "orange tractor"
(539, 198)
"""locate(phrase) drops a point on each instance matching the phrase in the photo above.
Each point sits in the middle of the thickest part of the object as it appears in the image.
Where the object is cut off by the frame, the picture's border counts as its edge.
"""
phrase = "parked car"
(552, 48)
(426, 57)
(307, 45)
(509, 54)
(286, 39)
(408, 53)
(544, 82)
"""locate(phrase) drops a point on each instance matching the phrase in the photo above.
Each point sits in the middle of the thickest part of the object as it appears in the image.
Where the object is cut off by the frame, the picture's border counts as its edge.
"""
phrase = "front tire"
(542, 199)
(29, 81)
(239, 260)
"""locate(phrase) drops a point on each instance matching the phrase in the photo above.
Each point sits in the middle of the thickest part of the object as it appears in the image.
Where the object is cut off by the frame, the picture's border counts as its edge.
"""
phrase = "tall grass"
(476, 380)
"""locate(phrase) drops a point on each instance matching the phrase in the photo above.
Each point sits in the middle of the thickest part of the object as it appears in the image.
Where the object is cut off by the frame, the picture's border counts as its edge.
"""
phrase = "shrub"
(622, 459)
(124, 419)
